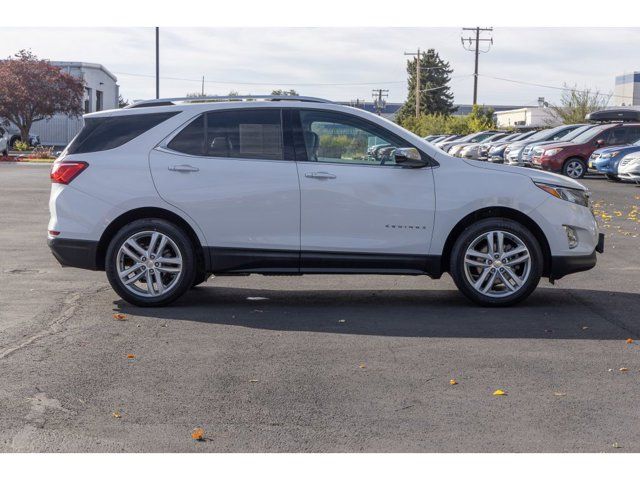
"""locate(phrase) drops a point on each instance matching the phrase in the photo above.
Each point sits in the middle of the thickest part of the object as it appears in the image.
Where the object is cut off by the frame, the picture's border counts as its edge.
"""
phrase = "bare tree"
(576, 104)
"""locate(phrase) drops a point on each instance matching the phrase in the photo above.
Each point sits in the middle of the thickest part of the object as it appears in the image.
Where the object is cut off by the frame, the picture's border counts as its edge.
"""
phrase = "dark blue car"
(606, 160)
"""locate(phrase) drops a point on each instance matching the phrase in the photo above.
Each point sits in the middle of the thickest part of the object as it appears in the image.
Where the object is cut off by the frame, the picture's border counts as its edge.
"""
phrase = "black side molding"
(600, 246)
(74, 253)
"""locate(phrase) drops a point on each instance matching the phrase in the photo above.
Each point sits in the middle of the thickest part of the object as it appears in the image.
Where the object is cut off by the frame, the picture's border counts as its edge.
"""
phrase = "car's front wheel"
(574, 168)
(496, 262)
(150, 262)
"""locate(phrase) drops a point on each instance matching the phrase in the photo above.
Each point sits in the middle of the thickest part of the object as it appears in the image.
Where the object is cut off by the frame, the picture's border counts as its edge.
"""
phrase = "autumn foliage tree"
(32, 89)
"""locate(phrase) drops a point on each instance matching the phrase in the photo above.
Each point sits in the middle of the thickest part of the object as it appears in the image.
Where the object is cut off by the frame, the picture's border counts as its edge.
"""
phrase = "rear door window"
(245, 133)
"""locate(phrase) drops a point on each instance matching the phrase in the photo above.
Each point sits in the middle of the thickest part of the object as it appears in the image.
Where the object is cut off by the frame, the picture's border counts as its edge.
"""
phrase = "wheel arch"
(148, 212)
(499, 212)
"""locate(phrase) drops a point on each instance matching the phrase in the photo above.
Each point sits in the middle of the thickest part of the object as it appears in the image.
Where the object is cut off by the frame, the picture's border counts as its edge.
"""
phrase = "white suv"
(168, 192)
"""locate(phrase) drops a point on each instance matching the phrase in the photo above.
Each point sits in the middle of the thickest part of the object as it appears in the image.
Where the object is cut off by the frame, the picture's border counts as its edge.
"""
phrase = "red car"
(570, 158)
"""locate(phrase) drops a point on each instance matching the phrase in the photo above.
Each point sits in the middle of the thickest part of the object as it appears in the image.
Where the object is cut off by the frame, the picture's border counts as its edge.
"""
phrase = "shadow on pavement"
(548, 313)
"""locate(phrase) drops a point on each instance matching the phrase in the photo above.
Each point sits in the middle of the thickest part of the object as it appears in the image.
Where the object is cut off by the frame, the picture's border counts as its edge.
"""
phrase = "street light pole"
(157, 62)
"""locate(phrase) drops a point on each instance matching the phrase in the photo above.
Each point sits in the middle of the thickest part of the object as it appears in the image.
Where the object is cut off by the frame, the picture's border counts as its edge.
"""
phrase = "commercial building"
(101, 93)
(627, 90)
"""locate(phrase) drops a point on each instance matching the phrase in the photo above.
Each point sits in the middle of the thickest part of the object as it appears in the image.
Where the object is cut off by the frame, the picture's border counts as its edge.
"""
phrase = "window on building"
(87, 100)
(99, 102)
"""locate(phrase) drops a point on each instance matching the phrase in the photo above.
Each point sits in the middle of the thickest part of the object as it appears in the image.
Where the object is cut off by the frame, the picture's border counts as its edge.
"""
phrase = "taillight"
(64, 172)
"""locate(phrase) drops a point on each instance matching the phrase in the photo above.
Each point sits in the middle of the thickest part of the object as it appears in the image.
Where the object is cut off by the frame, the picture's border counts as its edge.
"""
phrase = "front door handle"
(320, 175)
(183, 168)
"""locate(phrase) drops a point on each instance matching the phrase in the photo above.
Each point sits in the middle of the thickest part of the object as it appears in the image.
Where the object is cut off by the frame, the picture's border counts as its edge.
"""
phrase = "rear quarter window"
(106, 133)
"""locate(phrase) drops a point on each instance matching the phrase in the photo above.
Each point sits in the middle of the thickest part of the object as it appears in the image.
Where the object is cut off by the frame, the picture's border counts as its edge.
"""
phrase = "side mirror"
(599, 142)
(409, 157)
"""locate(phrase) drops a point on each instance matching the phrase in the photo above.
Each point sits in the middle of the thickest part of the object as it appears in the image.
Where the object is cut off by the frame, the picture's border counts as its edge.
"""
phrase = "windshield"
(590, 133)
(544, 134)
(481, 136)
(577, 132)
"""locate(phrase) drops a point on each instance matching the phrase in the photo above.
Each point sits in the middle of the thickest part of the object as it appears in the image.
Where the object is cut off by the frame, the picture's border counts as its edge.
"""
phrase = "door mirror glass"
(409, 157)
(599, 142)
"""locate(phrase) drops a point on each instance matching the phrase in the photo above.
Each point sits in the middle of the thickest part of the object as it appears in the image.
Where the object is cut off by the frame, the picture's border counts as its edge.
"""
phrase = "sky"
(340, 64)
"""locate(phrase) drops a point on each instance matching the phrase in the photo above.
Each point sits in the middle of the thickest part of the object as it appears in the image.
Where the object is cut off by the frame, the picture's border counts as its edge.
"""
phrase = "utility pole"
(157, 62)
(379, 98)
(417, 55)
(476, 44)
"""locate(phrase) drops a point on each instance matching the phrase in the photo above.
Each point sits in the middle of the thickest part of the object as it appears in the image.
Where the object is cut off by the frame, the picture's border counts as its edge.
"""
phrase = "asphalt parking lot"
(315, 363)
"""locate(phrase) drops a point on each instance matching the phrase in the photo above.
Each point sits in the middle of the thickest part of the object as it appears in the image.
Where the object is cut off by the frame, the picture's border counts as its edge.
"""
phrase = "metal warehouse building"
(101, 93)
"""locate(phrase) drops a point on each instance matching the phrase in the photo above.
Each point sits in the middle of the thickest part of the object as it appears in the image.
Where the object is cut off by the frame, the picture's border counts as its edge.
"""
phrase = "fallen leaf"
(342, 320)
(624, 369)
(616, 445)
(629, 340)
(198, 434)
(362, 365)
(610, 370)
(559, 394)
(253, 380)
(131, 355)
(119, 316)
(585, 328)
(116, 415)
(452, 382)
(499, 392)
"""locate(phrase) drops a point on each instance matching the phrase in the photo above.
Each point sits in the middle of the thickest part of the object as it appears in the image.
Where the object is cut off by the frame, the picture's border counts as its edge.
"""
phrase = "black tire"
(612, 178)
(574, 168)
(5, 153)
(200, 277)
(469, 235)
(181, 240)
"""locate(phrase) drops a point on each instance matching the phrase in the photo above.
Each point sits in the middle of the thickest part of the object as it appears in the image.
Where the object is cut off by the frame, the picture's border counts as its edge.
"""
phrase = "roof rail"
(161, 102)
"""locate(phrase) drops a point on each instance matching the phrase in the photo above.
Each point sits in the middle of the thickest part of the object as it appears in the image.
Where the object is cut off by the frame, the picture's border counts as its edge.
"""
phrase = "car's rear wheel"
(150, 263)
(613, 178)
(496, 262)
(574, 168)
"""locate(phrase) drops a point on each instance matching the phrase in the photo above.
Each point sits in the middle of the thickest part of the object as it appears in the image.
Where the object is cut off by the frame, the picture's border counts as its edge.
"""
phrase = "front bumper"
(75, 253)
(565, 265)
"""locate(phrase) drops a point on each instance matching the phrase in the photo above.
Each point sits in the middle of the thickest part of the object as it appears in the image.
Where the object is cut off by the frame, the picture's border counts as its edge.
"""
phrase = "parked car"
(629, 168)
(14, 136)
(513, 153)
(478, 151)
(569, 135)
(570, 158)
(272, 187)
(471, 138)
(4, 142)
(496, 151)
(606, 160)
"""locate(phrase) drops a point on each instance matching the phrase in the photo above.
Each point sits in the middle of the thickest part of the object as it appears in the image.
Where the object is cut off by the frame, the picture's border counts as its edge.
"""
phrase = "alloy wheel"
(575, 169)
(497, 263)
(149, 264)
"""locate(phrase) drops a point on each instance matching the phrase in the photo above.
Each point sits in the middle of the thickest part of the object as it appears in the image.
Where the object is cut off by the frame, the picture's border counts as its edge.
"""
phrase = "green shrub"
(20, 146)
(41, 152)
(479, 119)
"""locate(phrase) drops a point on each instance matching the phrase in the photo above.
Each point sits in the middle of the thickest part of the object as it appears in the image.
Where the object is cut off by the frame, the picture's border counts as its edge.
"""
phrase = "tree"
(435, 94)
(33, 89)
(285, 93)
(576, 104)
(479, 119)
(122, 102)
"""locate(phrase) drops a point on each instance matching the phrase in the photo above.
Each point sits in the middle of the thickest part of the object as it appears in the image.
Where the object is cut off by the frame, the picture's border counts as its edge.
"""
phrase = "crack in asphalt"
(56, 323)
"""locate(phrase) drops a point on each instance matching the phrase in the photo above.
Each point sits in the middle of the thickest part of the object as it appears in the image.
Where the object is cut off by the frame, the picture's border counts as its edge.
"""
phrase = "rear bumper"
(75, 253)
(565, 265)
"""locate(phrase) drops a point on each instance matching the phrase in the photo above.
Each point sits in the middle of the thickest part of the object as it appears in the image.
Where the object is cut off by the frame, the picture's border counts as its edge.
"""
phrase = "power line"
(476, 41)
(417, 55)
(555, 87)
(230, 82)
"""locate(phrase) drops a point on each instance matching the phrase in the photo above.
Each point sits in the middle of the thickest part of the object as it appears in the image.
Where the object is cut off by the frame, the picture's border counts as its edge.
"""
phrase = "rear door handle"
(183, 168)
(320, 175)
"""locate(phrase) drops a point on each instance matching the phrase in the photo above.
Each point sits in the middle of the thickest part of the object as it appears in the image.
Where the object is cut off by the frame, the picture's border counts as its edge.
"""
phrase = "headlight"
(609, 155)
(553, 151)
(573, 195)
